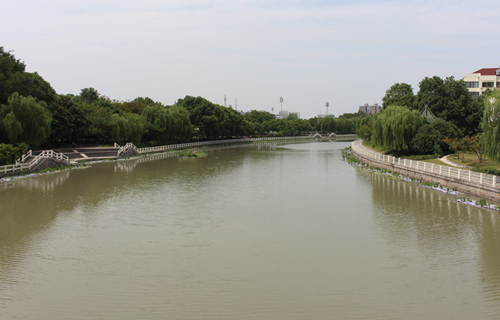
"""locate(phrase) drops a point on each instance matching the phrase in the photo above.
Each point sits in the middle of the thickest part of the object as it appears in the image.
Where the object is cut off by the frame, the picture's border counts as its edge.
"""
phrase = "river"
(253, 232)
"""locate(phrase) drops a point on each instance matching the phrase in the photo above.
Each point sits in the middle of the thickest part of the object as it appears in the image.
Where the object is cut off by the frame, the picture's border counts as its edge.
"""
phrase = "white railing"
(444, 171)
(130, 145)
(29, 165)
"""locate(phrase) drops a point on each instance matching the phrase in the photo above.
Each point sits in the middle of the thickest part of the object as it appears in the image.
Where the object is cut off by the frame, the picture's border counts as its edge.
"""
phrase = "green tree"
(11, 74)
(69, 122)
(450, 100)
(89, 95)
(258, 116)
(395, 126)
(24, 119)
(400, 94)
(212, 120)
(13, 78)
(491, 127)
(474, 146)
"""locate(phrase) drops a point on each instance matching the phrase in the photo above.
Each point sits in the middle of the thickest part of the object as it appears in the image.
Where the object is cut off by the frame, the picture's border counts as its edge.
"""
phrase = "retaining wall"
(466, 181)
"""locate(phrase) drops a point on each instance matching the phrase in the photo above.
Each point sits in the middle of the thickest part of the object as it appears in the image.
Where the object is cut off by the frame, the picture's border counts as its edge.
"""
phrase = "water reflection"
(264, 231)
(442, 230)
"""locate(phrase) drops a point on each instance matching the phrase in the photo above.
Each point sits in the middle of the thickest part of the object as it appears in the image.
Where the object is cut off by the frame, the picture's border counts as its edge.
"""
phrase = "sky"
(346, 53)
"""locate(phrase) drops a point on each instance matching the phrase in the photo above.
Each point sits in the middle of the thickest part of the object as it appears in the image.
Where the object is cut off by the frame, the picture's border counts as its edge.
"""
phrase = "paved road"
(445, 160)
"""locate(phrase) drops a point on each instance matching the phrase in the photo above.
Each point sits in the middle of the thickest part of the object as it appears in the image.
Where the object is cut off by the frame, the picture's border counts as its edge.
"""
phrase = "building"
(482, 80)
(367, 109)
(324, 115)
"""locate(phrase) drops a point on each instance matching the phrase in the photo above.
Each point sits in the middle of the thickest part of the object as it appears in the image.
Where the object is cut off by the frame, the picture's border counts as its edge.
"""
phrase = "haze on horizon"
(346, 53)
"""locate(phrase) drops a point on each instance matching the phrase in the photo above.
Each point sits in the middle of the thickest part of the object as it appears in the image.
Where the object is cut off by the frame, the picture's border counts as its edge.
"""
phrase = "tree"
(13, 78)
(69, 122)
(212, 120)
(395, 126)
(473, 145)
(450, 100)
(11, 71)
(491, 126)
(430, 137)
(24, 119)
(89, 95)
(258, 116)
(400, 94)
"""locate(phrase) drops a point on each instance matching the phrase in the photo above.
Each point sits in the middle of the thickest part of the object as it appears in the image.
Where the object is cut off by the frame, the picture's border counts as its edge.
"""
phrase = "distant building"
(283, 114)
(367, 109)
(482, 80)
(324, 115)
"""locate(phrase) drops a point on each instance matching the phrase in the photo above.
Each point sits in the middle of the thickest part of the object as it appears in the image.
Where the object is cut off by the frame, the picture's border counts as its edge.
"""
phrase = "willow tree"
(184, 128)
(24, 119)
(491, 127)
(128, 127)
(395, 126)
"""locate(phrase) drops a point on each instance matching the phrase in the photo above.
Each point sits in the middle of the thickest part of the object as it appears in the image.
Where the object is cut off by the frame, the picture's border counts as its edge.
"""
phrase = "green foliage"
(24, 119)
(212, 120)
(167, 124)
(399, 94)
(69, 122)
(13, 78)
(450, 100)
(430, 138)
(340, 125)
(488, 170)
(427, 141)
(89, 95)
(491, 127)
(258, 116)
(395, 126)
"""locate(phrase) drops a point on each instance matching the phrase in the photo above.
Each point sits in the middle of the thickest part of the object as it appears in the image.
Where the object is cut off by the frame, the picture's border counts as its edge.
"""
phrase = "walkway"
(448, 162)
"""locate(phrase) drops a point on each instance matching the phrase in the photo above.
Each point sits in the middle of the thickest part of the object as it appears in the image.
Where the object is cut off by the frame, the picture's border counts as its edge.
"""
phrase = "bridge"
(332, 137)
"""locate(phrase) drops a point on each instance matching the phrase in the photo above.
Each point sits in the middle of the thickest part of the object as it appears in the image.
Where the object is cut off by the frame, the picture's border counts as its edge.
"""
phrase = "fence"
(442, 171)
(18, 167)
(130, 145)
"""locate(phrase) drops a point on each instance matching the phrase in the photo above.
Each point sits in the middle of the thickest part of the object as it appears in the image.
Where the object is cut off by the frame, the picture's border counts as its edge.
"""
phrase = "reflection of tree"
(489, 247)
(441, 229)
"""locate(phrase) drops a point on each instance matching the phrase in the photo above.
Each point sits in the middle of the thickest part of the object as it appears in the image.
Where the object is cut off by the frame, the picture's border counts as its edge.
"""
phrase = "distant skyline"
(347, 53)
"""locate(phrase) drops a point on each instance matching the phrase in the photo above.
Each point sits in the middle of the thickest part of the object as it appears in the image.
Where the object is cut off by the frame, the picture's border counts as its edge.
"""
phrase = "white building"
(482, 80)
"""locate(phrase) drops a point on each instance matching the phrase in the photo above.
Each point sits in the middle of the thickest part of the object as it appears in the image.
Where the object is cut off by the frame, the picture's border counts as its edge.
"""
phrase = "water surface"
(256, 232)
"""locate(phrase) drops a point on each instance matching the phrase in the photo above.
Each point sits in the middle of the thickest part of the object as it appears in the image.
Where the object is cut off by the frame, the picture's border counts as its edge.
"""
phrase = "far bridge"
(333, 137)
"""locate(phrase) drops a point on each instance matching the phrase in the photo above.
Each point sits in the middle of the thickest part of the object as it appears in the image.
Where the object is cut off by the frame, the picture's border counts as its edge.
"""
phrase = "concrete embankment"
(466, 181)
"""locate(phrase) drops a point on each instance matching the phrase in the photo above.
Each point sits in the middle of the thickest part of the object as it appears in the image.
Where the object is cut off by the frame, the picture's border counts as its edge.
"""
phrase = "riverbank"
(157, 152)
(466, 181)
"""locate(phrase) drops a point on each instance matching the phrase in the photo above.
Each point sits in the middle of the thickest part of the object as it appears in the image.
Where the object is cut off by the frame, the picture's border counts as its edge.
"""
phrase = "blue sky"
(308, 52)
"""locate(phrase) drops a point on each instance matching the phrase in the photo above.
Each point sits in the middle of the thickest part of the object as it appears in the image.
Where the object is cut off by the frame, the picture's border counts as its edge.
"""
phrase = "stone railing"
(20, 166)
(448, 173)
(130, 145)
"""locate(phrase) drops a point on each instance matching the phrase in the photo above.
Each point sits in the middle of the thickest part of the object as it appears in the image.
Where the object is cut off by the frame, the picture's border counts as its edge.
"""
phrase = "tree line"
(33, 114)
(460, 120)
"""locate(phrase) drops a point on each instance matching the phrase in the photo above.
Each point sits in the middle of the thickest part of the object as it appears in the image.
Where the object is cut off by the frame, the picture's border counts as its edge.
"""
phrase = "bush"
(488, 170)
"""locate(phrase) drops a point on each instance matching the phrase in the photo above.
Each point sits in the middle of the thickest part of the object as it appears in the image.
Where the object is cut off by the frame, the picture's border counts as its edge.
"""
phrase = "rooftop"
(488, 71)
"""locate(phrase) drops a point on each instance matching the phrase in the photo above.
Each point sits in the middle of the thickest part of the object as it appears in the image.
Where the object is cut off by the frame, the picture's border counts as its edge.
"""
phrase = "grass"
(436, 161)
(470, 160)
